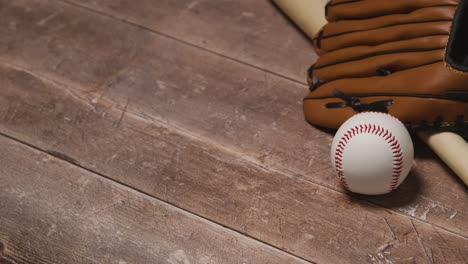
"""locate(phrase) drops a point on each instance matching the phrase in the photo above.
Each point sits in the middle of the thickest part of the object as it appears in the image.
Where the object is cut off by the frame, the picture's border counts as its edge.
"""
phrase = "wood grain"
(54, 212)
(204, 133)
(245, 110)
(177, 166)
(243, 30)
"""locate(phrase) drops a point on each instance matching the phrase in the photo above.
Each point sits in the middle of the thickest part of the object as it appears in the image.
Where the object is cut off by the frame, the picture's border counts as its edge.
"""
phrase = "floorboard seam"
(148, 29)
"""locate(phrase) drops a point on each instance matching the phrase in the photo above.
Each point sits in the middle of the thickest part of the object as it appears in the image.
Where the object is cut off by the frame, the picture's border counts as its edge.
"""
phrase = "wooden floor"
(171, 131)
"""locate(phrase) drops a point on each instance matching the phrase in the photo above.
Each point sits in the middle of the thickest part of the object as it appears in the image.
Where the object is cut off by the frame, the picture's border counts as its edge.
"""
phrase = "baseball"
(372, 153)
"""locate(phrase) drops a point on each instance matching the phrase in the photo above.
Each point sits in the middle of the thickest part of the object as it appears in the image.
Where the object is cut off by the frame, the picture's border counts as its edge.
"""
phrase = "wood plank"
(250, 112)
(54, 212)
(177, 166)
(254, 32)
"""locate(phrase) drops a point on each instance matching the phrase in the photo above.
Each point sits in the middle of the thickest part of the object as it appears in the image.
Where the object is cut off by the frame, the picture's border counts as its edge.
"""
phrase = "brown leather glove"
(408, 58)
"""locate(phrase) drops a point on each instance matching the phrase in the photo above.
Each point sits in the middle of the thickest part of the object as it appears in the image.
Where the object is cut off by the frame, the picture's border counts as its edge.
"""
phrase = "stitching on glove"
(384, 72)
(316, 82)
(355, 103)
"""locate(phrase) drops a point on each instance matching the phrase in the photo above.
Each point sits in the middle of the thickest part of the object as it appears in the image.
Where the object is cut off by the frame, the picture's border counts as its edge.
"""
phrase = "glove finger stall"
(429, 14)
(362, 52)
(380, 36)
(379, 65)
(374, 8)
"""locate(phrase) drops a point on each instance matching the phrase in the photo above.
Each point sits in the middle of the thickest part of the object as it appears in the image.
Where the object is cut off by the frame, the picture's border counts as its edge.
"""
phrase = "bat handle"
(451, 148)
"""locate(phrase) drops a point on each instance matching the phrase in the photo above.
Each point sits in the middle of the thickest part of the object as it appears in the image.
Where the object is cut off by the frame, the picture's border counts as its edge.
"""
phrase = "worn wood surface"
(247, 110)
(281, 140)
(209, 128)
(54, 212)
(250, 32)
(176, 166)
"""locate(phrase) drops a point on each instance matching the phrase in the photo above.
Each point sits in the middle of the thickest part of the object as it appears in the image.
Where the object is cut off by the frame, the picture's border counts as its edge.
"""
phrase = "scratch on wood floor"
(2, 248)
(166, 198)
(99, 210)
(46, 78)
(424, 214)
(59, 64)
(453, 215)
(445, 242)
(464, 260)
(409, 210)
(192, 5)
(280, 228)
(429, 259)
(52, 230)
(389, 227)
(383, 252)
(124, 111)
(45, 20)
(178, 256)
(102, 87)
(371, 258)
(62, 156)
(4, 259)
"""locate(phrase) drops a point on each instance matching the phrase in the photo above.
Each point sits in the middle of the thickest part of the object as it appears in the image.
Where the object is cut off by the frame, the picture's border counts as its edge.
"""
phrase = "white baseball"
(372, 153)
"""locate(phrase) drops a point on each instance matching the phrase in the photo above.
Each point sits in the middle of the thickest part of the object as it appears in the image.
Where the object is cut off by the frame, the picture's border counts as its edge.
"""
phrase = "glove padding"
(405, 57)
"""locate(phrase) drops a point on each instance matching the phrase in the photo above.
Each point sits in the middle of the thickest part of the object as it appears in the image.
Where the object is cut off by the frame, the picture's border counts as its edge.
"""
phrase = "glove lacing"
(355, 103)
(382, 106)
(349, 101)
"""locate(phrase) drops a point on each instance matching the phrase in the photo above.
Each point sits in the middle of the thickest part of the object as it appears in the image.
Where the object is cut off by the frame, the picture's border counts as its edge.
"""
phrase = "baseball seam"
(377, 130)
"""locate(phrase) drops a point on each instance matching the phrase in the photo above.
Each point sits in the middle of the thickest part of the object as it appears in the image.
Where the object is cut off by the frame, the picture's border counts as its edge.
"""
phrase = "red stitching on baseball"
(374, 129)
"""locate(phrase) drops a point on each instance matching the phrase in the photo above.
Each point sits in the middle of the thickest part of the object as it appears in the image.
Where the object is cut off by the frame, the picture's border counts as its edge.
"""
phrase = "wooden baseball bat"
(309, 15)
(451, 148)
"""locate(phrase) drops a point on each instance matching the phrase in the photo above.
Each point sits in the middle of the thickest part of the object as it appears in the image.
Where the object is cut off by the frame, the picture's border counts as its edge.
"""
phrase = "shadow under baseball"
(404, 195)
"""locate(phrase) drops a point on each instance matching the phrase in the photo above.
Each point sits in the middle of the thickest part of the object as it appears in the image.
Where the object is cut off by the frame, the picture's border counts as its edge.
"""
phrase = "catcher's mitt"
(405, 57)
